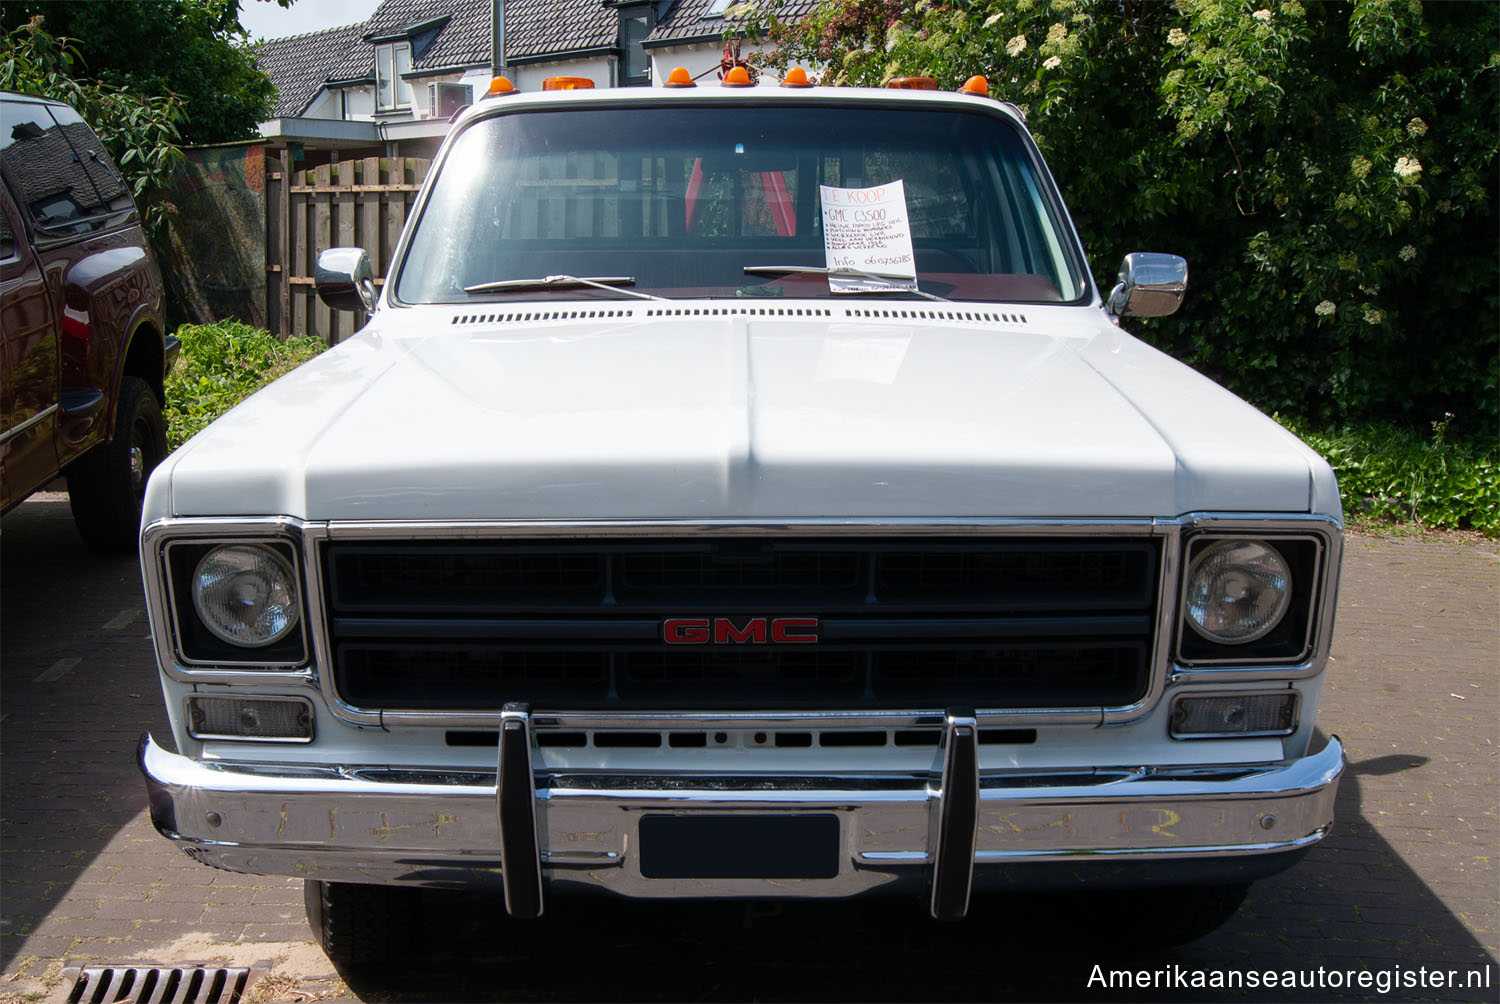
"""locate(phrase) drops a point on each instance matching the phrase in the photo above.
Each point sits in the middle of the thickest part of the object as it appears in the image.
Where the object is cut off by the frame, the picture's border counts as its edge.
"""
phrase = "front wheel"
(361, 925)
(107, 485)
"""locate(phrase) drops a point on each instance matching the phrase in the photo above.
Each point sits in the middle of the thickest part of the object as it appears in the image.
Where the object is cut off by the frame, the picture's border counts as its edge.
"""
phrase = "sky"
(265, 19)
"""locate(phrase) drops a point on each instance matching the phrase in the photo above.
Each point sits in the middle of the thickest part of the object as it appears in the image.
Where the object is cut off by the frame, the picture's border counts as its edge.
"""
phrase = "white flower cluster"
(1416, 128)
(1407, 167)
(1326, 309)
(1373, 315)
(1016, 46)
(1051, 63)
(1407, 253)
(1177, 37)
(1262, 15)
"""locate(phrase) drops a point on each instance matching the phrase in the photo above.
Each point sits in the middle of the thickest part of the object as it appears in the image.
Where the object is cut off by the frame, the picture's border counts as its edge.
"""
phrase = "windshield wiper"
(606, 282)
(844, 273)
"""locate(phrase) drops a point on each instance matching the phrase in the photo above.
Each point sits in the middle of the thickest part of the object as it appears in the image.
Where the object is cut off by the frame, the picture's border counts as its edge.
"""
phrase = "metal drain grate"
(148, 983)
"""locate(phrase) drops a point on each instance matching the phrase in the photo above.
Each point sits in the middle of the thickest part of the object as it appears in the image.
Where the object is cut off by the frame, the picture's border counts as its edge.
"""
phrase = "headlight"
(1237, 591)
(246, 594)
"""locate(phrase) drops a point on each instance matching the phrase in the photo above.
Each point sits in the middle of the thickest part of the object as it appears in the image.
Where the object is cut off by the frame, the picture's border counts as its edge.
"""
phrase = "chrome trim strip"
(1166, 614)
(1206, 850)
(21, 427)
(829, 526)
(313, 537)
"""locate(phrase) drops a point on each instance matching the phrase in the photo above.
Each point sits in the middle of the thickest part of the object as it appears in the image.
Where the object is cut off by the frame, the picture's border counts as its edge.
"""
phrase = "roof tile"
(544, 27)
(686, 19)
(299, 65)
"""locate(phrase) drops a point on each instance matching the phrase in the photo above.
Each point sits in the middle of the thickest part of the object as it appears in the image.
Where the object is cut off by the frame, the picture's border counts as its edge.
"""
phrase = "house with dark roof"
(391, 84)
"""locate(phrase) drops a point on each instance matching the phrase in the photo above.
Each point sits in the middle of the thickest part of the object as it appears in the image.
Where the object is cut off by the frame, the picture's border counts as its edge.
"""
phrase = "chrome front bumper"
(948, 831)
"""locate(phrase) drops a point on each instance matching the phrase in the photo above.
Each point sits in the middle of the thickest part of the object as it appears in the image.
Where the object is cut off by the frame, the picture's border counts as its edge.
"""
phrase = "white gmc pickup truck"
(743, 492)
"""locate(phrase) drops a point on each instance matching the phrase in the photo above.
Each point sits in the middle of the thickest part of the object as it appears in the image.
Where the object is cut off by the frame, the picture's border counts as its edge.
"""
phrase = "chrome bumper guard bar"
(948, 829)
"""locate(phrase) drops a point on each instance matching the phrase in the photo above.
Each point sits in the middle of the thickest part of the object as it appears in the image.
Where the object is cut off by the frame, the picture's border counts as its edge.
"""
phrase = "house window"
(391, 91)
(636, 22)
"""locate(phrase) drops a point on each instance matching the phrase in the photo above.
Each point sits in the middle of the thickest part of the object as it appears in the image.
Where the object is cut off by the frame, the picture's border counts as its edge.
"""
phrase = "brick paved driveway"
(1407, 879)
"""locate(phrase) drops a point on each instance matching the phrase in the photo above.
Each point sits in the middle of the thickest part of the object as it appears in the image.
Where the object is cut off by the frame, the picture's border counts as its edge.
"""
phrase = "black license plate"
(744, 847)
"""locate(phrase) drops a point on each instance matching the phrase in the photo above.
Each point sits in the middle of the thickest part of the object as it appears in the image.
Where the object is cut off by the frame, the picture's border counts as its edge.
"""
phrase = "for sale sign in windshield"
(868, 230)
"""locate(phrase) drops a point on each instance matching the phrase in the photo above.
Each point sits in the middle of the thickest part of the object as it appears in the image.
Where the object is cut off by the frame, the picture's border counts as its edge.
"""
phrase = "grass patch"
(1393, 475)
(221, 364)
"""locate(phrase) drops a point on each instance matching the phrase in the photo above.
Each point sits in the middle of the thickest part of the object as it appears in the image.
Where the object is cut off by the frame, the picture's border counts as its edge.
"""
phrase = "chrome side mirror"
(1151, 285)
(345, 279)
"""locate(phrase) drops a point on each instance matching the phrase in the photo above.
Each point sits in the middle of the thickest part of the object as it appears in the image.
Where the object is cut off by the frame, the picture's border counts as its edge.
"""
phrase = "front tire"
(107, 485)
(361, 925)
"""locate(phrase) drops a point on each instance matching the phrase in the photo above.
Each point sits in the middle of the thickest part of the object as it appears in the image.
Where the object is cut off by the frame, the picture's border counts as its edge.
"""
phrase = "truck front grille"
(901, 623)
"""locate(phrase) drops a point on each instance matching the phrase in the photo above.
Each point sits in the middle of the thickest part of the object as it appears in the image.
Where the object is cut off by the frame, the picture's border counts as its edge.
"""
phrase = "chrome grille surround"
(1170, 533)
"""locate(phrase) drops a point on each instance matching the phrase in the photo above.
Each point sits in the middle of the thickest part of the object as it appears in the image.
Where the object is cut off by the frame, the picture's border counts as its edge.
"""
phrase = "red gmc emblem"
(751, 631)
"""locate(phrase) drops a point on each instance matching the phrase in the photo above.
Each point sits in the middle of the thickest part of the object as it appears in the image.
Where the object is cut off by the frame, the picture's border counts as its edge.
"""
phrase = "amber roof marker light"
(976, 85)
(912, 84)
(738, 77)
(500, 86)
(567, 84)
(796, 77)
(679, 77)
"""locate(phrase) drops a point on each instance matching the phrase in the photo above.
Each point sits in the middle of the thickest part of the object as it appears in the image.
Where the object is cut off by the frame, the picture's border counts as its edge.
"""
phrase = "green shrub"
(1388, 474)
(220, 365)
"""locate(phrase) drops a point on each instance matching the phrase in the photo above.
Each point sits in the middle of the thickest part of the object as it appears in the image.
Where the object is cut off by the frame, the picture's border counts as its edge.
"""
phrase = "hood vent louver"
(542, 315)
(739, 312)
(936, 314)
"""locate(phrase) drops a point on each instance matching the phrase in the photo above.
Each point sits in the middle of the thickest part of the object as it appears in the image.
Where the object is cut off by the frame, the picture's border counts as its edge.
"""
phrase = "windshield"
(680, 201)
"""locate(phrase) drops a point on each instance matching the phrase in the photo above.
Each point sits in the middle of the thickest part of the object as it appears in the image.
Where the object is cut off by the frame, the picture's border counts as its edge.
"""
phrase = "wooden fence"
(353, 203)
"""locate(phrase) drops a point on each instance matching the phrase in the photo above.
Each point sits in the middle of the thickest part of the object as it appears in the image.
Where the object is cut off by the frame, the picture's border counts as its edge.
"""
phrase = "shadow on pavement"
(78, 685)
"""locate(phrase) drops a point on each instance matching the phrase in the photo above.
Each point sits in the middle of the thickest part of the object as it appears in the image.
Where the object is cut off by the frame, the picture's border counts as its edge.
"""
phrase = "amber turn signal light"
(567, 84)
(976, 85)
(796, 77)
(737, 77)
(679, 77)
(500, 85)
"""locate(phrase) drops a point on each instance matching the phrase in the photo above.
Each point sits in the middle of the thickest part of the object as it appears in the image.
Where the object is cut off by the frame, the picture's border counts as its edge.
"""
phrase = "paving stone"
(283, 931)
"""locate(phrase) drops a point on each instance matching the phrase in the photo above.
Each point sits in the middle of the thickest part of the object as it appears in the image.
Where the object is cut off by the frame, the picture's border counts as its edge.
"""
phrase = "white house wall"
(359, 102)
(324, 106)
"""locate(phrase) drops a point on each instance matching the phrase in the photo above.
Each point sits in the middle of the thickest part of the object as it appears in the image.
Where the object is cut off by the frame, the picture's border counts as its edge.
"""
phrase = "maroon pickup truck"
(81, 313)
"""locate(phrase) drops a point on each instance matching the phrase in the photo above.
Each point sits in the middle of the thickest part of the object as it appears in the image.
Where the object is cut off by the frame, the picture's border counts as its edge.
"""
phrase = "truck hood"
(711, 411)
